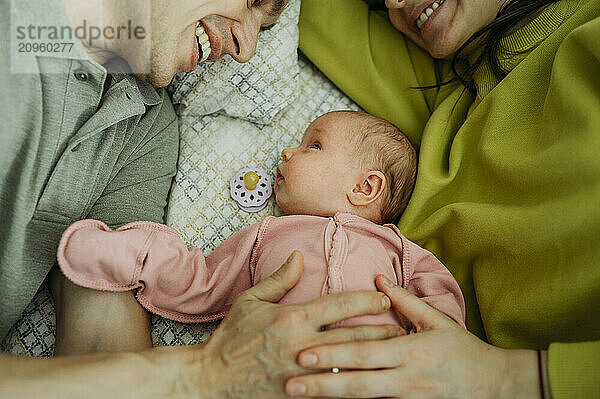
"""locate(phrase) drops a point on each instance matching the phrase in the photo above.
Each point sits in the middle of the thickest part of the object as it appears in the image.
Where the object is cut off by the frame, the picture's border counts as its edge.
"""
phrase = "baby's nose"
(286, 154)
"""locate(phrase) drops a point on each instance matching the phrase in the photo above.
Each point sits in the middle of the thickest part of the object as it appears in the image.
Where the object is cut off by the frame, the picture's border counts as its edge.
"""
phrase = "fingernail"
(308, 359)
(385, 301)
(291, 257)
(296, 389)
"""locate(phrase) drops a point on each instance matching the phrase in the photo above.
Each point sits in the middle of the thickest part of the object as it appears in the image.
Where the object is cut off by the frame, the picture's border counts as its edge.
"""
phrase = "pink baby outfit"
(341, 253)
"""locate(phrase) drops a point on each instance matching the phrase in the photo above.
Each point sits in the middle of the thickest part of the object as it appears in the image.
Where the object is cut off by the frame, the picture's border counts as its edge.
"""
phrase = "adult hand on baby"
(441, 360)
(254, 350)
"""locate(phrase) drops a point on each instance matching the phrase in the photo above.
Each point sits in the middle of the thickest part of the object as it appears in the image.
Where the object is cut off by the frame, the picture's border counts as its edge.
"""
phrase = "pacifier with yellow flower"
(251, 188)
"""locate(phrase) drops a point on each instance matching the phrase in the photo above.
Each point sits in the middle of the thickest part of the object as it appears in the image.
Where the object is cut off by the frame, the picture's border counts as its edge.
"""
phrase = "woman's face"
(442, 26)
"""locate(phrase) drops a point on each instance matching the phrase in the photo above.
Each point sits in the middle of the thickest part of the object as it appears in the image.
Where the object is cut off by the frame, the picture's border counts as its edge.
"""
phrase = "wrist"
(193, 372)
(521, 378)
(158, 373)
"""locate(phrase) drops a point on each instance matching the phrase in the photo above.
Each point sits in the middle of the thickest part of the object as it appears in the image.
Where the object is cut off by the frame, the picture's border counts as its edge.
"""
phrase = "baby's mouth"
(203, 42)
(279, 177)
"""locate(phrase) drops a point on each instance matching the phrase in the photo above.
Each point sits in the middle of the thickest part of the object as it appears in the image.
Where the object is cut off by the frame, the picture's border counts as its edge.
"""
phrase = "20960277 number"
(45, 47)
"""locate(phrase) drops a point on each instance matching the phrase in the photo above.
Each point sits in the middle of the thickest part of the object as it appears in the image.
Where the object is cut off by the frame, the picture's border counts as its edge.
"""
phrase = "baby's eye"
(315, 146)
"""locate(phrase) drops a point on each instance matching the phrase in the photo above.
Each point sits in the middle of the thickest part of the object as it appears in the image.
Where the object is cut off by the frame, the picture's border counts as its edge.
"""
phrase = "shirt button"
(81, 75)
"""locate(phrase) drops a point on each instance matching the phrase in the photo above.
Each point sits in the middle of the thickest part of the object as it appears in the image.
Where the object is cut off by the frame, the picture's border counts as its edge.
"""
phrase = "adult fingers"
(336, 307)
(353, 355)
(348, 384)
(360, 333)
(420, 314)
(273, 288)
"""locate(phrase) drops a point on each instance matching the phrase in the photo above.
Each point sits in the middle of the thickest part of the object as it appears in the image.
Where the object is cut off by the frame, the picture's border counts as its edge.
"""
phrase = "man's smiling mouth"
(203, 42)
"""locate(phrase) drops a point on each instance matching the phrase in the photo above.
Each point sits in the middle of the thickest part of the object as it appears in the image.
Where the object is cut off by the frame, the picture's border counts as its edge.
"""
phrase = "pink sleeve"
(429, 279)
(173, 281)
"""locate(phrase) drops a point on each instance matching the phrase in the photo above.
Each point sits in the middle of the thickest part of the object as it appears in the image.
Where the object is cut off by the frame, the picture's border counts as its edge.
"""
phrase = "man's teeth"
(203, 42)
(427, 13)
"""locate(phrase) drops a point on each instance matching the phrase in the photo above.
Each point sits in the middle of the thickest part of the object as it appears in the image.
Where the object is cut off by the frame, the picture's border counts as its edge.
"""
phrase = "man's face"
(174, 46)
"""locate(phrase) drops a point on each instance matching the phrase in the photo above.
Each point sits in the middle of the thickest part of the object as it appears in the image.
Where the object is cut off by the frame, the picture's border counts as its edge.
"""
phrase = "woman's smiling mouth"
(428, 12)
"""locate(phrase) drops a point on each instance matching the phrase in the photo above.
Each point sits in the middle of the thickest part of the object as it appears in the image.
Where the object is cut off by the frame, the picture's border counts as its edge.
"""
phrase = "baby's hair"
(385, 148)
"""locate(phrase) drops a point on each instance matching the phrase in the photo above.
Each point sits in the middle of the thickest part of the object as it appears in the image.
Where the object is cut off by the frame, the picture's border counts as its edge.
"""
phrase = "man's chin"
(158, 74)
(156, 80)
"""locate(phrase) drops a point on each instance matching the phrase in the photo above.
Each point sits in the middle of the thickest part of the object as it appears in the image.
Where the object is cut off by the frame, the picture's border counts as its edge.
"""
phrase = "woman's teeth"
(203, 42)
(427, 13)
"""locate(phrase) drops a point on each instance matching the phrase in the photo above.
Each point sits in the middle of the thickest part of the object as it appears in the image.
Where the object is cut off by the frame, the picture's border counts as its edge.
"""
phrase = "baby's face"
(315, 177)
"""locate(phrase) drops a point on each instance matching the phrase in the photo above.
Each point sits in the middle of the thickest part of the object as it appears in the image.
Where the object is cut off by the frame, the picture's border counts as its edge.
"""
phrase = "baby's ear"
(368, 190)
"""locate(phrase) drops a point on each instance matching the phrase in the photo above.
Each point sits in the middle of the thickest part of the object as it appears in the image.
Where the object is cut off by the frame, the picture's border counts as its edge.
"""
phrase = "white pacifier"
(251, 188)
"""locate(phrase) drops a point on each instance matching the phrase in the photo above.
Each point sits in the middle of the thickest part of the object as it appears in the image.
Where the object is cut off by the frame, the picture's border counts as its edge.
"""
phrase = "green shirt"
(71, 149)
(508, 184)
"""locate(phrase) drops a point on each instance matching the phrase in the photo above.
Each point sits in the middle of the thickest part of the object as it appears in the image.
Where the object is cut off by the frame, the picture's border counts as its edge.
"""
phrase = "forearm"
(89, 321)
(523, 375)
(150, 374)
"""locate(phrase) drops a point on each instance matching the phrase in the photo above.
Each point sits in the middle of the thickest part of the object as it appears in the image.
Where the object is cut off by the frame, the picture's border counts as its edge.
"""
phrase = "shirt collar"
(142, 91)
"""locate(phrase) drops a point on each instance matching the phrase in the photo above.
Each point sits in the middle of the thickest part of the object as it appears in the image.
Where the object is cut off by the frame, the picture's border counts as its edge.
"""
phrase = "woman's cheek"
(401, 23)
(398, 21)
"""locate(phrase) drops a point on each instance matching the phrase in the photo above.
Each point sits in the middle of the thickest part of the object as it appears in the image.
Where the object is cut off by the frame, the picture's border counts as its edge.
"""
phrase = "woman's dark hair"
(508, 17)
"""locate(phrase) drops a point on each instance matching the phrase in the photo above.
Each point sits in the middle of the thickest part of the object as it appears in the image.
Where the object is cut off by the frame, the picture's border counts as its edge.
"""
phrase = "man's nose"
(286, 154)
(391, 4)
(245, 37)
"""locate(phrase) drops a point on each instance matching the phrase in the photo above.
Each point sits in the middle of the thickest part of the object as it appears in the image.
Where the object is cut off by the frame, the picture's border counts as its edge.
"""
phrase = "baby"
(351, 172)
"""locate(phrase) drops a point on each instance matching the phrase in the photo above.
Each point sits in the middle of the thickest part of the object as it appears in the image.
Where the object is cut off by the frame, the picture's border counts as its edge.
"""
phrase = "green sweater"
(508, 185)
